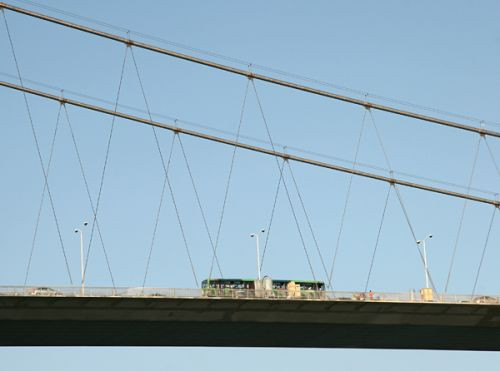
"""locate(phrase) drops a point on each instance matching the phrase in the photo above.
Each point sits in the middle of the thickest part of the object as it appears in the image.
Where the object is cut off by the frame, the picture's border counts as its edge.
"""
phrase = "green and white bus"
(251, 288)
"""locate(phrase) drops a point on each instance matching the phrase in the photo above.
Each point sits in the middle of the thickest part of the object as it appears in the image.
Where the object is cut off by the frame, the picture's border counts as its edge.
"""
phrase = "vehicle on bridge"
(264, 288)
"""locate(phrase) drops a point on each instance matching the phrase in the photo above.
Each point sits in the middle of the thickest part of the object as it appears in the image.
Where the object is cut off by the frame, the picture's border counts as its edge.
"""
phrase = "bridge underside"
(76, 321)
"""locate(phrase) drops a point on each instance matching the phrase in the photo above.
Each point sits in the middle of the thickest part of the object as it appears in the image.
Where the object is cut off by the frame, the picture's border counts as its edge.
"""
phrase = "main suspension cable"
(462, 214)
(213, 129)
(249, 74)
(250, 147)
(181, 227)
(37, 145)
(37, 223)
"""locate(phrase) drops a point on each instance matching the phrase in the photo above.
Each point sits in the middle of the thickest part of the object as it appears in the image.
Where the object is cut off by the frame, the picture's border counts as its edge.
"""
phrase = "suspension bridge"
(240, 312)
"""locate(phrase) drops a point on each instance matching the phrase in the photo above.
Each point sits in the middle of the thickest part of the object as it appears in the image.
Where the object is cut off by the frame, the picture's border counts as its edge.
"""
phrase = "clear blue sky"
(443, 55)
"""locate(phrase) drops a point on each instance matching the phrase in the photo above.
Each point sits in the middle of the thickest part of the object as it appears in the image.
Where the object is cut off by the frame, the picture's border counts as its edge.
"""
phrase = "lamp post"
(79, 231)
(256, 235)
(422, 243)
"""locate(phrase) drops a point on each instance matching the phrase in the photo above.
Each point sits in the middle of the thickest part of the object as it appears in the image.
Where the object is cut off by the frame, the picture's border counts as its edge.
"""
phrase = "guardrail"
(226, 293)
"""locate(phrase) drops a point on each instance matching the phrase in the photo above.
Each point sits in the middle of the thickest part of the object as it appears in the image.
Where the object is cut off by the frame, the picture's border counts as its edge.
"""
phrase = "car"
(485, 300)
(44, 291)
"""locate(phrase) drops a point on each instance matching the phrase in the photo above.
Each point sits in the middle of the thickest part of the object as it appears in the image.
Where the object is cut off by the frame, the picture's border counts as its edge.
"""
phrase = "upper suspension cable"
(249, 74)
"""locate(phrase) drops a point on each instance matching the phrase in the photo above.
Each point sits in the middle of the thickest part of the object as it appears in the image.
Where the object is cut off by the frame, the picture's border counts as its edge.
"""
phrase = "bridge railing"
(230, 293)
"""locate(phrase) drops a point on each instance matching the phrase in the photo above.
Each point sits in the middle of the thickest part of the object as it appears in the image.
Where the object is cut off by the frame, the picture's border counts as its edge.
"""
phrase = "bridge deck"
(156, 321)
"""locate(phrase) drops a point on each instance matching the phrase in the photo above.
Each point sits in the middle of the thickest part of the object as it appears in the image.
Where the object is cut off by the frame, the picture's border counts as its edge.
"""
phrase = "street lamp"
(256, 235)
(82, 290)
(422, 242)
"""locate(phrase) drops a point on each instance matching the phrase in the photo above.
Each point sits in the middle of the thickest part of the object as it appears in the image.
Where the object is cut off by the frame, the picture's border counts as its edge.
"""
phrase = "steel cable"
(87, 188)
(37, 223)
(165, 171)
(378, 238)
(106, 158)
(272, 214)
(172, 144)
(484, 251)
(226, 191)
(337, 244)
(284, 183)
(462, 214)
(246, 63)
(37, 145)
(308, 222)
(253, 139)
(492, 156)
(199, 203)
(388, 163)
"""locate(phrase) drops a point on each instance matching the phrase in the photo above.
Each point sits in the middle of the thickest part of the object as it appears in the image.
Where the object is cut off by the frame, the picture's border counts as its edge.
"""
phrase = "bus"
(252, 288)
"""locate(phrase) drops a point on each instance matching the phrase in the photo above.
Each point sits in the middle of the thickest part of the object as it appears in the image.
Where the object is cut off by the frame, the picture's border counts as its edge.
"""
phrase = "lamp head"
(252, 235)
(85, 224)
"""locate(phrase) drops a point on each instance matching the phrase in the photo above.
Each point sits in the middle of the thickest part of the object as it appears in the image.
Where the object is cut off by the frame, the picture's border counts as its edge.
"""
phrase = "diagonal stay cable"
(308, 222)
(269, 226)
(349, 186)
(492, 156)
(388, 163)
(181, 227)
(106, 158)
(226, 191)
(172, 144)
(197, 195)
(407, 218)
(37, 145)
(378, 238)
(42, 199)
(462, 214)
(87, 188)
(284, 183)
(484, 252)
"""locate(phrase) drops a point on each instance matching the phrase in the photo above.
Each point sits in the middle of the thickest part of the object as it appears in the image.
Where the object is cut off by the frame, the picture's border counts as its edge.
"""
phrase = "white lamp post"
(256, 235)
(422, 242)
(82, 290)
